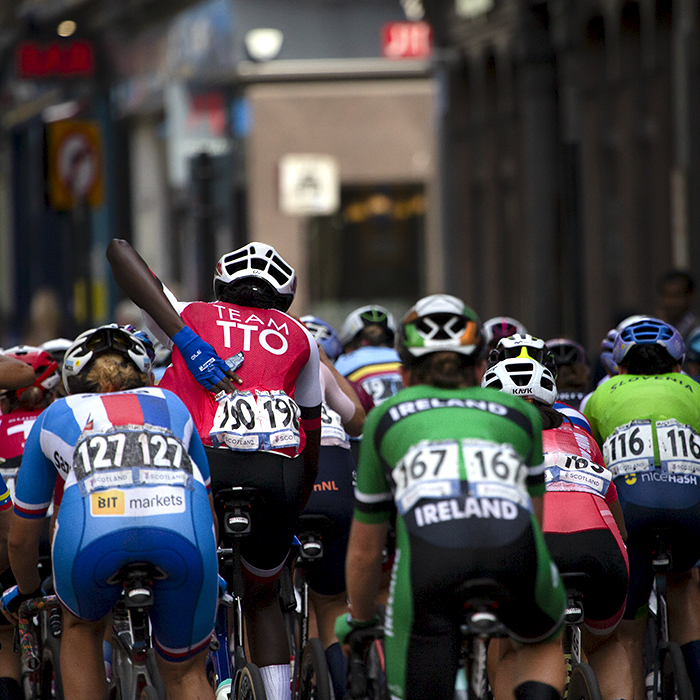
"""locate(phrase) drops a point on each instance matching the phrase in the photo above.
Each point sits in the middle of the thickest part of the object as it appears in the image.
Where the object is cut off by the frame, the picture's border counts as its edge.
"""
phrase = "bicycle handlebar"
(29, 646)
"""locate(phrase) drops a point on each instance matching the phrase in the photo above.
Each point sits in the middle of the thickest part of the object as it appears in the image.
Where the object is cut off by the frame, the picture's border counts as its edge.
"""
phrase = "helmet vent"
(233, 267)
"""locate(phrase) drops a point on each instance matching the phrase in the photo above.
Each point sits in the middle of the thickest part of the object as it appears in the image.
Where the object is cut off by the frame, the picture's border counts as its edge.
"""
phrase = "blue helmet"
(649, 331)
(693, 347)
(324, 334)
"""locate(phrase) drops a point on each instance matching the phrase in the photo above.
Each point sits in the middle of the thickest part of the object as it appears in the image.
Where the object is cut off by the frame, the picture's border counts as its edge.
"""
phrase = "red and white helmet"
(43, 364)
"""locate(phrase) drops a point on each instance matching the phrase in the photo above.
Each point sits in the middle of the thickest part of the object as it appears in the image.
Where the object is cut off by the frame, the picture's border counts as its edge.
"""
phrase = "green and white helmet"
(372, 314)
(439, 323)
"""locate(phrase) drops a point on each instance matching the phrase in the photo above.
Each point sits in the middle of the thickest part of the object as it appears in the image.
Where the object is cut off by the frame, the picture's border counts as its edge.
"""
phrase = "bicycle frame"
(133, 657)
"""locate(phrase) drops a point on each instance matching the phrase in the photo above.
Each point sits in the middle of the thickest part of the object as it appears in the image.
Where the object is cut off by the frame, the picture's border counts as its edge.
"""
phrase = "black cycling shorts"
(430, 585)
(273, 516)
(678, 527)
(333, 497)
(598, 554)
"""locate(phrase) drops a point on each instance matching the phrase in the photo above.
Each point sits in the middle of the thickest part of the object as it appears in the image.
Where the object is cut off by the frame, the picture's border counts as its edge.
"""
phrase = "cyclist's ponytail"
(109, 372)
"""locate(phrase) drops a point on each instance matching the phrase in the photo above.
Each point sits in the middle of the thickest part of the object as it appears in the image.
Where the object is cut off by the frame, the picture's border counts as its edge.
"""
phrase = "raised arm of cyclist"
(135, 278)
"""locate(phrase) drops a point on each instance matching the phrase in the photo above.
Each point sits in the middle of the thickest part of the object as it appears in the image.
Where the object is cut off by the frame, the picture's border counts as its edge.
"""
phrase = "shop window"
(372, 249)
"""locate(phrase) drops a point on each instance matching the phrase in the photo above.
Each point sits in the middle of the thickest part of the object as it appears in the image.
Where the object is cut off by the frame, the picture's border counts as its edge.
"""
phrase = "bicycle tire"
(583, 684)
(249, 684)
(675, 683)
(314, 679)
(50, 683)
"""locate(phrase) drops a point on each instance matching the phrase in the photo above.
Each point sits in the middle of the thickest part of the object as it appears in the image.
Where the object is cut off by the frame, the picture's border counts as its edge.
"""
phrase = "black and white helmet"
(258, 261)
(439, 323)
(523, 345)
(524, 377)
(96, 341)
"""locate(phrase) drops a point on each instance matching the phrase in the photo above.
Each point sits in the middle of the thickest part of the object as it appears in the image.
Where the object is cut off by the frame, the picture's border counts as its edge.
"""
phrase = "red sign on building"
(407, 40)
(55, 59)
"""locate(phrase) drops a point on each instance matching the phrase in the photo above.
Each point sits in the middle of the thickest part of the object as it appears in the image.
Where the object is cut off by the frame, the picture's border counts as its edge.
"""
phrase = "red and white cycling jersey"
(281, 360)
(14, 430)
(579, 486)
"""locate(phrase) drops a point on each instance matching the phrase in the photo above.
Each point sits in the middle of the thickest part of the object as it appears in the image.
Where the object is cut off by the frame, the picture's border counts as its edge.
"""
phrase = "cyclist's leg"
(264, 551)
(533, 666)
(601, 554)
(186, 680)
(82, 662)
(10, 660)
(327, 576)
(683, 596)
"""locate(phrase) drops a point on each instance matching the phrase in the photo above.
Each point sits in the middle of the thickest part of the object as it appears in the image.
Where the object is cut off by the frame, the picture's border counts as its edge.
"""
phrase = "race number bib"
(332, 431)
(130, 456)
(564, 472)
(427, 470)
(679, 447)
(382, 388)
(267, 420)
(431, 470)
(495, 471)
(630, 448)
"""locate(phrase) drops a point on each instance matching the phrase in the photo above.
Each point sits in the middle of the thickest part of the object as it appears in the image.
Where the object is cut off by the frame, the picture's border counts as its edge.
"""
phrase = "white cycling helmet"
(96, 341)
(439, 323)
(258, 261)
(523, 345)
(524, 377)
(501, 327)
(367, 316)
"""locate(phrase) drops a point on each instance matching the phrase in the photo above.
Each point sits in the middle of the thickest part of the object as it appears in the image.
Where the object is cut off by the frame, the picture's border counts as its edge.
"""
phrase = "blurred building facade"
(541, 160)
(573, 160)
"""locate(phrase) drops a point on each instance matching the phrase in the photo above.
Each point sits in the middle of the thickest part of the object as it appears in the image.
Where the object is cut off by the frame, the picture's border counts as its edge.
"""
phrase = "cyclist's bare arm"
(133, 275)
(5, 520)
(537, 505)
(363, 566)
(311, 454)
(343, 391)
(15, 374)
(616, 510)
(23, 547)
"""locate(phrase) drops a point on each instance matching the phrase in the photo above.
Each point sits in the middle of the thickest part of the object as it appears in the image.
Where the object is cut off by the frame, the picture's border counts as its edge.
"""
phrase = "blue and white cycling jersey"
(136, 490)
(52, 442)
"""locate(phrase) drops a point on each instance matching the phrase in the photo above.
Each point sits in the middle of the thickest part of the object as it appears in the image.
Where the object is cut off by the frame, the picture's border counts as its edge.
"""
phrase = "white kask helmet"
(524, 377)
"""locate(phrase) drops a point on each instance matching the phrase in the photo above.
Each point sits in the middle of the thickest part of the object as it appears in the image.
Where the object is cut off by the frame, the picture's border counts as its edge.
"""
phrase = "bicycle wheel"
(583, 684)
(50, 685)
(314, 682)
(249, 684)
(675, 684)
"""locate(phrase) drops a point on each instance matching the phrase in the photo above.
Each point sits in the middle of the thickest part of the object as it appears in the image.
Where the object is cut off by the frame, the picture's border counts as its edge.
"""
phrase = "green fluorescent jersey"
(643, 422)
(468, 451)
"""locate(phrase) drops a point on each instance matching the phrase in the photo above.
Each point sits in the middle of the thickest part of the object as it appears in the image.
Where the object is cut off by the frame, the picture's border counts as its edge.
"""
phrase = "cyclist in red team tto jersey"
(28, 377)
(265, 432)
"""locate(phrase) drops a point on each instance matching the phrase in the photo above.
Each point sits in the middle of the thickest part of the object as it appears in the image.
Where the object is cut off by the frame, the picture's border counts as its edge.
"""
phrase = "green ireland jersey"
(643, 422)
(449, 454)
